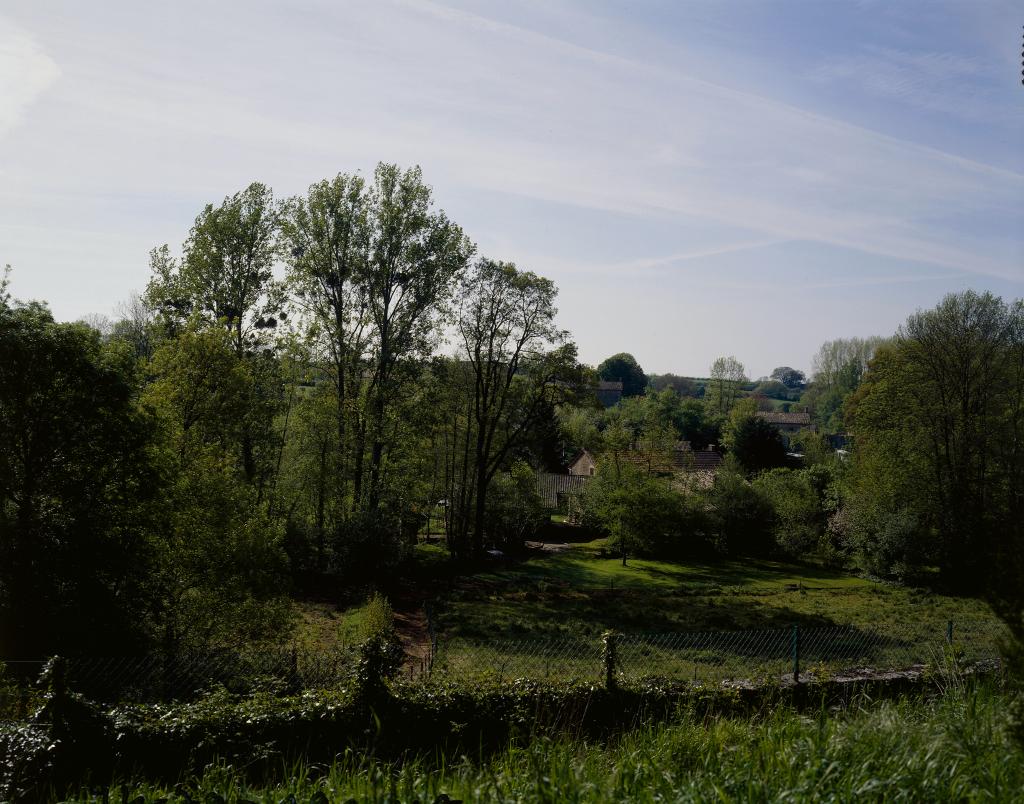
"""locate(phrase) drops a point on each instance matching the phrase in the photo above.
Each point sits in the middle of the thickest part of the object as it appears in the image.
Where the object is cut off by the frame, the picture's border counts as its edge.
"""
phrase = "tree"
(226, 273)
(220, 578)
(414, 256)
(517, 365)
(643, 514)
(326, 236)
(740, 517)
(754, 442)
(75, 481)
(790, 377)
(727, 373)
(798, 516)
(225, 279)
(838, 368)
(949, 397)
(623, 368)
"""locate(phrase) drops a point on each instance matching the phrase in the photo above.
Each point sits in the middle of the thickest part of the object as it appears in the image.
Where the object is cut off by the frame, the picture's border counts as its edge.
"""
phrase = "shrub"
(740, 517)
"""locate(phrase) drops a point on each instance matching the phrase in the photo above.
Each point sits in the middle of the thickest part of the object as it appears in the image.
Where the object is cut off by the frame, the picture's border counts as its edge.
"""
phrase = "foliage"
(754, 442)
(798, 515)
(644, 514)
(513, 368)
(741, 517)
(727, 374)
(75, 477)
(944, 749)
(622, 367)
(789, 377)
(550, 742)
(515, 509)
(939, 426)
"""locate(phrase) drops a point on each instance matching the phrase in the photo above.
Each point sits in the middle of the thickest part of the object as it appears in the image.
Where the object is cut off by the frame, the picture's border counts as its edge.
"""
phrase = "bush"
(380, 651)
(740, 518)
(798, 521)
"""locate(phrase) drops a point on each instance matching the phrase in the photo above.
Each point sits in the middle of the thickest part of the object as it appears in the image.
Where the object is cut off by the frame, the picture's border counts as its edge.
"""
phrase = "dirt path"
(411, 626)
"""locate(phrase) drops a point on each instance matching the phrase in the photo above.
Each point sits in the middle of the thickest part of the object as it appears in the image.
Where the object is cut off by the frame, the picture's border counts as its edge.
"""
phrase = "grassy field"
(952, 749)
(579, 592)
(542, 617)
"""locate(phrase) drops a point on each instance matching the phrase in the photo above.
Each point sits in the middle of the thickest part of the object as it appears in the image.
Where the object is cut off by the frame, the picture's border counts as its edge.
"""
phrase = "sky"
(698, 178)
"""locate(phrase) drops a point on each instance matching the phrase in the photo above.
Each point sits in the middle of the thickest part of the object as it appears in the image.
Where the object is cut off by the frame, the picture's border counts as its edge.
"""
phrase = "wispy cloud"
(25, 73)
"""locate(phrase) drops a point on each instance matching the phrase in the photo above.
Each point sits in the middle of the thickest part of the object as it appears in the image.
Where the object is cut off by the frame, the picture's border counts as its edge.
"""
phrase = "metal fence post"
(949, 632)
(796, 654)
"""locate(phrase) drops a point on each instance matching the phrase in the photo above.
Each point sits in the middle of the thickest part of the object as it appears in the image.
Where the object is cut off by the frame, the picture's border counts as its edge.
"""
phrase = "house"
(680, 459)
(555, 490)
(583, 465)
(787, 423)
(609, 392)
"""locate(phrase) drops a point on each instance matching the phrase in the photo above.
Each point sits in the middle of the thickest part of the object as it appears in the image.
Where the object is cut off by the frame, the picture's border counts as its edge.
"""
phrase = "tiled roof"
(778, 417)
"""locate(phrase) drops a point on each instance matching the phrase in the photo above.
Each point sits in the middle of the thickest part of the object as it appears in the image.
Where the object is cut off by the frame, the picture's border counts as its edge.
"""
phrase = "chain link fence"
(185, 676)
(701, 656)
(713, 656)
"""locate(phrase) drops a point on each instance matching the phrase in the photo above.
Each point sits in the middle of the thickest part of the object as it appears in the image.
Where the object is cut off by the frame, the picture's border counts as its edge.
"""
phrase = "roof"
(609, 392)
(550, 486)
(778, 417)
(682, 459)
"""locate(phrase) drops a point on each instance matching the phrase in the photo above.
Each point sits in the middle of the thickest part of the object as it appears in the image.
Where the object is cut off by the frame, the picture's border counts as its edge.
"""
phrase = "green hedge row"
(70, 742)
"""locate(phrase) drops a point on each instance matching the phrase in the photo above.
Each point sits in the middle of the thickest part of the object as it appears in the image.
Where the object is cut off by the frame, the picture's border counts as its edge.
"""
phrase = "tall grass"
(954, 748)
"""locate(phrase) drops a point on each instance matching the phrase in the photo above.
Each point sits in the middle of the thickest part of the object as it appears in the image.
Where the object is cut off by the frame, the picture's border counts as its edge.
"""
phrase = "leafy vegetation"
(953, 748)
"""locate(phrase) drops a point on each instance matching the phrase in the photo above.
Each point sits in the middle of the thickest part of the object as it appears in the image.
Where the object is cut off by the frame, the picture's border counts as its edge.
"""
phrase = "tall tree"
(950, 396)
(326, 235)
(414, 254)
(225, 278)
(727, 374)
(226, 272)
(519, 365)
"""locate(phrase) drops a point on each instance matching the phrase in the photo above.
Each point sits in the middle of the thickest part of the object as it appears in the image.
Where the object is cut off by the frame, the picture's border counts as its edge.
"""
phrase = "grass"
(325, 626)
(955, 748)
(543, 617)
(580, 592)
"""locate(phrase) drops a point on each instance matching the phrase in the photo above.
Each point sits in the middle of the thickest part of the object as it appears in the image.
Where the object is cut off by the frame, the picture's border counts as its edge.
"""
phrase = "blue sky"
(699, 178)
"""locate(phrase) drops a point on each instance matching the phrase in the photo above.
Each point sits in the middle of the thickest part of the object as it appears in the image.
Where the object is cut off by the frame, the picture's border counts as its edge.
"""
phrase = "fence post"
(611, 659)
(796, 654)
(949, 632)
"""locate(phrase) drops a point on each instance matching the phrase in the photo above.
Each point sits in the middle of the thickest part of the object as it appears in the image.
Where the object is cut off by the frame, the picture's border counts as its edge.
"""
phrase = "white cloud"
(25, 73)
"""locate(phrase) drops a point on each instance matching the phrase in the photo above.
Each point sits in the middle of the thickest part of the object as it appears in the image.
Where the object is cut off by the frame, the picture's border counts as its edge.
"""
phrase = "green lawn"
(543, 618)
(580, 593)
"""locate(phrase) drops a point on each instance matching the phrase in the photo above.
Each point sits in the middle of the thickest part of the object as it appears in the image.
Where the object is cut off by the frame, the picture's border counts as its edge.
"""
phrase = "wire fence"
(701, 656)
(187, 675)
(712, 656)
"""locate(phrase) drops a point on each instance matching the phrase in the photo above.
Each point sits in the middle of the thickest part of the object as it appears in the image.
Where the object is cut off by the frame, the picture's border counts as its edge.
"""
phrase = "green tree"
(75, 482)
(622, 367)
(727, 374)
(516, 365)
(944, 405)
(755, 443)
(221, 576)
(226, 273)
(790, 377)
(740, 518)
(327, 235)
(798, 515)
(414, 257)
